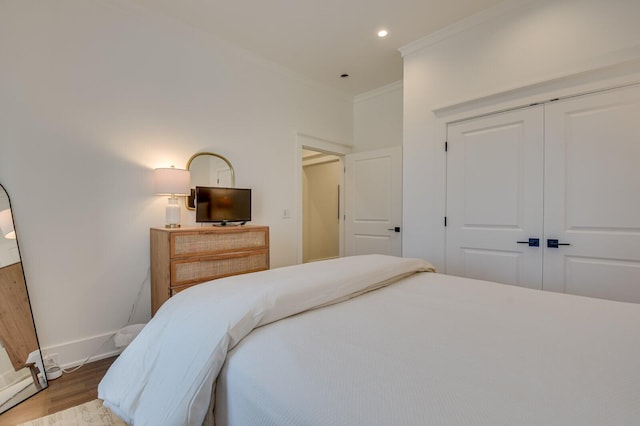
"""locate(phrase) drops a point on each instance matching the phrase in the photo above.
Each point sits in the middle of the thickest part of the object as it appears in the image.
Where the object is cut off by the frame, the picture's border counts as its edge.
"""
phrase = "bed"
(379, 340)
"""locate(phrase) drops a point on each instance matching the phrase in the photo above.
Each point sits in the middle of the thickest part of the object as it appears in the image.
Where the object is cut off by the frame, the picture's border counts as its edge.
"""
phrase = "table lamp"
(173, 182)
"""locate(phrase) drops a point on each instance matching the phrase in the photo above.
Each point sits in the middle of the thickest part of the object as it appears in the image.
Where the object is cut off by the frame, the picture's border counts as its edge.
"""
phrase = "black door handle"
(555, 244)
(394, 229)
(533, 242)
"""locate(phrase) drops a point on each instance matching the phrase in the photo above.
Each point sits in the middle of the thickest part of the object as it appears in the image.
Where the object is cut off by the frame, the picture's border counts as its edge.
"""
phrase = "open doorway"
(322, 177)
(316, 146)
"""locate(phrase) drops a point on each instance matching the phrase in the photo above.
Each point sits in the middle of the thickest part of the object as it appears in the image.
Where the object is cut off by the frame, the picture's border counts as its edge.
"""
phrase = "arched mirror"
(209, 169)
(21, 368)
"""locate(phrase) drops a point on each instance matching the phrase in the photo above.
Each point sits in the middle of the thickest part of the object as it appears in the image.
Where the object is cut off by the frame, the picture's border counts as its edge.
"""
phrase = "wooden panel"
(160, 269)
(17, 331)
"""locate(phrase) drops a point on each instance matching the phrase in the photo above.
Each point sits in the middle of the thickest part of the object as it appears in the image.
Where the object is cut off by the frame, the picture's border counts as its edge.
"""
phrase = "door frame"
(304, 141)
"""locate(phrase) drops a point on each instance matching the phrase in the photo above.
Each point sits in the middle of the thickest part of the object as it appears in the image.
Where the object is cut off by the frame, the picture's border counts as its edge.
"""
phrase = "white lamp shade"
(171, 181)
(6, 224)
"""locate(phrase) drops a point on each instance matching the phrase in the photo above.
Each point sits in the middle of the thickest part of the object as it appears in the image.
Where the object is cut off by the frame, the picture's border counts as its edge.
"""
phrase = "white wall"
(377, 118)
(518, 44)
(93, 96)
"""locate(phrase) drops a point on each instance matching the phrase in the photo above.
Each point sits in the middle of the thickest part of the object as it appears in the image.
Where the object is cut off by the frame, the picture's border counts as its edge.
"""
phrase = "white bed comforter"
(165, 376)
(439, 350)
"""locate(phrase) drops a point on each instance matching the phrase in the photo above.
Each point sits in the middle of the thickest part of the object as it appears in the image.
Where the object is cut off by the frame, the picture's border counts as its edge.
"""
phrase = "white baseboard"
(74, 353)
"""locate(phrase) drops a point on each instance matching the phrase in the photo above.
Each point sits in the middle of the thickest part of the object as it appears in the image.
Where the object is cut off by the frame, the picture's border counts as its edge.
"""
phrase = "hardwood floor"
(69, 390)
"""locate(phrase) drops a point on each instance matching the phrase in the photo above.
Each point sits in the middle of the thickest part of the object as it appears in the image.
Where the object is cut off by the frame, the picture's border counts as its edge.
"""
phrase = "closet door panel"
(494, 197)
(592, 182)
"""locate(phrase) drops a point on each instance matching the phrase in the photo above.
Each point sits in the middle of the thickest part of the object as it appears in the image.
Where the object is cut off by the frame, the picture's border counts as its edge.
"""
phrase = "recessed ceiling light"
(383, 33)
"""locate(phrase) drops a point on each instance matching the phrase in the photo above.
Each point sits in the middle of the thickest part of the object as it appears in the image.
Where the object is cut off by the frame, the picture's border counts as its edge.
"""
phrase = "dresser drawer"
(189, 271)
(186, 244)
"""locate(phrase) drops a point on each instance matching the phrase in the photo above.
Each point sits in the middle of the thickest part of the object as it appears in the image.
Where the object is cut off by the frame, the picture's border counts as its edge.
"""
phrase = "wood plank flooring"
(69, 390)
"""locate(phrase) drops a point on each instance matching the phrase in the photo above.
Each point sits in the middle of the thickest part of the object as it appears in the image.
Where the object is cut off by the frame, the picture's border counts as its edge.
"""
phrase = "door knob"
(395, 229)
(555, 244)
(533, 242)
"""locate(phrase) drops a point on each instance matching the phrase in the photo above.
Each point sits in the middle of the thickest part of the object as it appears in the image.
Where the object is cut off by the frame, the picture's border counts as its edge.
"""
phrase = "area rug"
(89, 413)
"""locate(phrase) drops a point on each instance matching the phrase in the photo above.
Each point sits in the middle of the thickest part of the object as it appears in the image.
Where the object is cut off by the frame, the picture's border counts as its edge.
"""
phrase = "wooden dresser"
(183, 257)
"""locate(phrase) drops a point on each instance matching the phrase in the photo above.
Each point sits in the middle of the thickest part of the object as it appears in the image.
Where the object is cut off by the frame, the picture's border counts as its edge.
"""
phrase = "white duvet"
(439, 350)
(165, 376)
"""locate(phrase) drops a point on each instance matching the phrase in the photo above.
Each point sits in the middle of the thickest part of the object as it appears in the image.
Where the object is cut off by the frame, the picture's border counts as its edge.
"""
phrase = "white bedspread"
(166, 375)
(440, 350)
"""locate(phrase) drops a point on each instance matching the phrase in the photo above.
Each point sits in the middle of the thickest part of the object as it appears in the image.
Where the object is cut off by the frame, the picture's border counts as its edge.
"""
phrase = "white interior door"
(373, 188)
(494, 197)
(592, 195)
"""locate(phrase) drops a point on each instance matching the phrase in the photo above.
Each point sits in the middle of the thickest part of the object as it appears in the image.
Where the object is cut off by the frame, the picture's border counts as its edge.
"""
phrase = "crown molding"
(462, 25)
(397, 85)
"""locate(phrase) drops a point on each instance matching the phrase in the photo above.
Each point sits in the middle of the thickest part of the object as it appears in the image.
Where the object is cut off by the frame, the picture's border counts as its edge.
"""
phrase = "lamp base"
(172, 216)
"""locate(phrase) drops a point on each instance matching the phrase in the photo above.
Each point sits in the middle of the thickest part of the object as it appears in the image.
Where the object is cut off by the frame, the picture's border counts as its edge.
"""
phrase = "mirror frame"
(199, 154)
(31, 364)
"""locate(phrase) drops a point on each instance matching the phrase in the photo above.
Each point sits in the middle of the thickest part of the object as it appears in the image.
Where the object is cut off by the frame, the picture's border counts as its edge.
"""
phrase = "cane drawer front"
(197, 270)
(186, 244)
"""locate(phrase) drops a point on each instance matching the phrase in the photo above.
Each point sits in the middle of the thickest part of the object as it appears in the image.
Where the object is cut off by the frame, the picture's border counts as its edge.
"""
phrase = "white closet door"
(592, 195)
(494, 197)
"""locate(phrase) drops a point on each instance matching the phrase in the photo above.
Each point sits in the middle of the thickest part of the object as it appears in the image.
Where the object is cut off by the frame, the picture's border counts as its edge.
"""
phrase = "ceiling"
(322, 39)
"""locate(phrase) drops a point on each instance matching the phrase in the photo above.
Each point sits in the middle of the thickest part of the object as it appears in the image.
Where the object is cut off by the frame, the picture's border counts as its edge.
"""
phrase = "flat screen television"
(222, 205)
